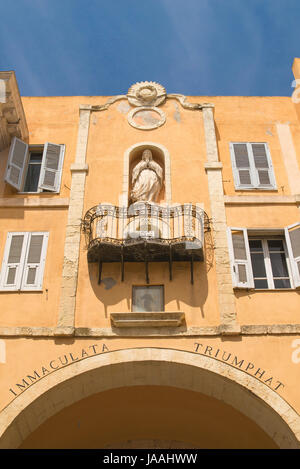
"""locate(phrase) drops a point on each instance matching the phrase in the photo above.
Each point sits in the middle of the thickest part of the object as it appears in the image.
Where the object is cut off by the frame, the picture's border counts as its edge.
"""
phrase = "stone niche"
(160, 155)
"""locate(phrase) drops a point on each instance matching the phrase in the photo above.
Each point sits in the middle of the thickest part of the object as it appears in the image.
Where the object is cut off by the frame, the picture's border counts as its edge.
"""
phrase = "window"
(148, 298)
(252, 166)
(265, 260)
(24, 261)
(35, 168)
(269, 264)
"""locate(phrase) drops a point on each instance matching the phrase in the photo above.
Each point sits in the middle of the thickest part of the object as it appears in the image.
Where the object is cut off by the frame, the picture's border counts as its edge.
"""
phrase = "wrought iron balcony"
(145, 233)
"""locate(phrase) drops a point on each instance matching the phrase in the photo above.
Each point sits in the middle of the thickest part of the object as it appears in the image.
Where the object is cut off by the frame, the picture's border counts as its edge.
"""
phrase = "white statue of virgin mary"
(147, 179)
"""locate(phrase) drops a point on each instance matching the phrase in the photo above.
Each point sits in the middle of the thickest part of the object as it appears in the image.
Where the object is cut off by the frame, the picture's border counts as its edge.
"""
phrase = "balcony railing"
(145, 233)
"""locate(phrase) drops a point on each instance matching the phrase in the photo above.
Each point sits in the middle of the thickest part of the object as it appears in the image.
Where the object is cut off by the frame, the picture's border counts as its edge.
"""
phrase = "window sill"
(2, 290)
(265, 289)
(150, 319)
(255, 189)
(27, 202)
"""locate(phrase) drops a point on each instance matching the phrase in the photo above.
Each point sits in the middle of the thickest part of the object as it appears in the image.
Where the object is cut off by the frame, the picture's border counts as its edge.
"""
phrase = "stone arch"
(149, 366)
(161, 154)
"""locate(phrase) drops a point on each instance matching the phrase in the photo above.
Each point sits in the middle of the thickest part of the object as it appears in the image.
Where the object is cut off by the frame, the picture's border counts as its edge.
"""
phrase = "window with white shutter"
(240, 258)
(265, 259)
(51, 167)
(252, 166)
(241, 165)
(17, 163)
(292, 236)
(24, 261)
(35, 168)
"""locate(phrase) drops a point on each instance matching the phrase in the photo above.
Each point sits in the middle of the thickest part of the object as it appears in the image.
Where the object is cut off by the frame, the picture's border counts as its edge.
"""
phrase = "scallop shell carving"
(146, 93)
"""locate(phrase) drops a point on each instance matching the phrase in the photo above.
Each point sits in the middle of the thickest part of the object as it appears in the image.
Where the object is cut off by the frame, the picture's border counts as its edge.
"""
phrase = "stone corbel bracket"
(12, 116)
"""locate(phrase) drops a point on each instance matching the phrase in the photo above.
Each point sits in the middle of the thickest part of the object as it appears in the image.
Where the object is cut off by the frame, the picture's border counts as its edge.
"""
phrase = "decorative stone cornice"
(138, 331)
(12, 116)
(102, 107)
(186, 105)
(79, 168)
(148, 94)
(261, 199)
(213, 165)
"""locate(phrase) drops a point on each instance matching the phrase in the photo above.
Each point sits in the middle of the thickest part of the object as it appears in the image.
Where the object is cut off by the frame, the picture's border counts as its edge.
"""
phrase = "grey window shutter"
(50, 175)
(241, 165)
(242, 275)
(13, 261)
(17, 163)
(292, 236)
(35, 261)
(263, 165)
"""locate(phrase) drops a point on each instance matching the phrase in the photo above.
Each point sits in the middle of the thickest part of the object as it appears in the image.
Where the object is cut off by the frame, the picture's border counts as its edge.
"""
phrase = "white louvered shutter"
(51, 169)
(34, 264)
(242, 275)
(241, 165)
(263, 166)
(13, 261)
(292, 237)
(17, 163)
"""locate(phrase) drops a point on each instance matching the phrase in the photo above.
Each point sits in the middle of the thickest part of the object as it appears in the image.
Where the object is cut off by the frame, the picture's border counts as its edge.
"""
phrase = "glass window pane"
(275, 245)
(255, 245)
(260, 283)
(32, 178)
(36, 157)
(258, 265)
(279, 267)
(282, 283)
(148, 298)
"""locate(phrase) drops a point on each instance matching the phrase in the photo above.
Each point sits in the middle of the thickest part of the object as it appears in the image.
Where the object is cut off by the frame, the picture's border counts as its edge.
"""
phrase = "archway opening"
(149, 417)
(150, 367)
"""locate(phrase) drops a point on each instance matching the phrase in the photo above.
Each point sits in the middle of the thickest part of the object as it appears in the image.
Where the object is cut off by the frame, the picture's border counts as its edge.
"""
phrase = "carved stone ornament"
(146, 93)
(146, 118)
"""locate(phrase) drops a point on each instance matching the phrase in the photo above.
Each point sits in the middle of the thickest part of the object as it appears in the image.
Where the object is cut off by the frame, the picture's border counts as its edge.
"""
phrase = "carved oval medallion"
(146, 118)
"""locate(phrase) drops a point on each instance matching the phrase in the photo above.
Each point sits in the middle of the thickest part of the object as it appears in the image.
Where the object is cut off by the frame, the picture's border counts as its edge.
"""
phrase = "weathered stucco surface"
(248, 341)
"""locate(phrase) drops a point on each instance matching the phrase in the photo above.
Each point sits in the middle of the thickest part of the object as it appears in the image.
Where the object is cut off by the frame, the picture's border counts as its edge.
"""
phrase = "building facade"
(150, 276)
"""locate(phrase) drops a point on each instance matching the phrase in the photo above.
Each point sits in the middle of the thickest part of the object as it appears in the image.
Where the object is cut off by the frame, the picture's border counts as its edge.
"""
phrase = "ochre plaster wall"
(277, 356)
(237, 119)
(32, 308)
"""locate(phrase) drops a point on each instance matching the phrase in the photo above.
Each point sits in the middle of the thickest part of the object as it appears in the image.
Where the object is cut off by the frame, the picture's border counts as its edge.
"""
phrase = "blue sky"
(194, 47)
